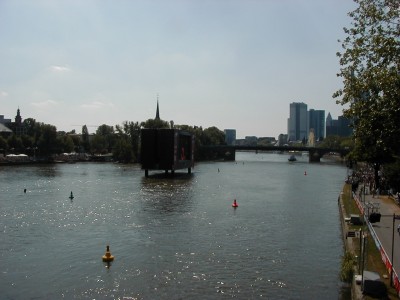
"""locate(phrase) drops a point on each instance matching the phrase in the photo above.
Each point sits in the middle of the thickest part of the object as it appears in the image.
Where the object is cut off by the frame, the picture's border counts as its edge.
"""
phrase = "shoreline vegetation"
(350, 265)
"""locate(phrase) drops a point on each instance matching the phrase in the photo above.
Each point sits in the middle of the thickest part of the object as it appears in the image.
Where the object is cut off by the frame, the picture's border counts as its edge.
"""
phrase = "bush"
(347, 270)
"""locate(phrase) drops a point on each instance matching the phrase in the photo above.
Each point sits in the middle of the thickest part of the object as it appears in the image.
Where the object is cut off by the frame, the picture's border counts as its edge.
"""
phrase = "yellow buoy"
(108, 257)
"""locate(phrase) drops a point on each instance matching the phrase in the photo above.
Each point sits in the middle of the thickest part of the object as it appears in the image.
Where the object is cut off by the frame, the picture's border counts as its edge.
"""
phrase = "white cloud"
(59, 69)
(3, 94)
(97, 105)
(45, 103)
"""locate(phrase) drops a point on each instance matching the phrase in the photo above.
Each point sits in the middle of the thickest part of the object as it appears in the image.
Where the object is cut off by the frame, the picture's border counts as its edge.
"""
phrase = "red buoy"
(234, 204)
(305, 173)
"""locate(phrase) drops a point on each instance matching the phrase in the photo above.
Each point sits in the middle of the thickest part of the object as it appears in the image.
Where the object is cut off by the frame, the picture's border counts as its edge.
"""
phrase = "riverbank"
(351, 242)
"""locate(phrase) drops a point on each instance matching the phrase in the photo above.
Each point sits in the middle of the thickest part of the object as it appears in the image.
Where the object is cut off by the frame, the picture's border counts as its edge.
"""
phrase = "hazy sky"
(225, 63)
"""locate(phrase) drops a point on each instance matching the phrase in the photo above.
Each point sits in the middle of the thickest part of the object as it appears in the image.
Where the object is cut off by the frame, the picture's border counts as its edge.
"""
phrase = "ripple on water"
(172, 239)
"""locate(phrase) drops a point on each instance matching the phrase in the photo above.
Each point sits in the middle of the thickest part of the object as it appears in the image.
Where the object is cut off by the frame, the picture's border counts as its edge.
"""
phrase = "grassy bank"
(373, 257)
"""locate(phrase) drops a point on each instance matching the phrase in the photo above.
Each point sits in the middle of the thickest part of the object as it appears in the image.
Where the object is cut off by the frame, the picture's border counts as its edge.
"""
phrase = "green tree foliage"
(391, 173)
(123, 150)
(337, 142)
(43, 140)
(104, 139)
(208, 137)
(3, 144)
(67, 144)
(105, 130)
(85, 139)
(347, 269)
(30, 126)
(155, 124)
(213, 136)
(99, 144)
(128, 134)
(76, 141)
(27, 141)
(47, 142)
(370, 68)
(15, 144)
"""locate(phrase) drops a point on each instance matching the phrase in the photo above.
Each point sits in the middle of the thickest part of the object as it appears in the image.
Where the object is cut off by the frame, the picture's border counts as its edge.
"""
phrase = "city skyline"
(229, 64)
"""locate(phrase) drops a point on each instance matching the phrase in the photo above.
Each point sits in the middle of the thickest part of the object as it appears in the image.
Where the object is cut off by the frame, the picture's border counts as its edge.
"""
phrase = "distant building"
(5, 131)
(282, 139)
(329, 120)
(266, 141)
(316, 122)
(230, 136)
(4, 121)
(297, 122)
(341, 126)
(344, 126)
(251, 140)
(18, 127)
(240, 142)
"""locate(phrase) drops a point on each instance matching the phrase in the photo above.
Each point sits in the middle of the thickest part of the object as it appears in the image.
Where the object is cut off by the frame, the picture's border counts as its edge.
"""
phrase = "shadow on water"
(173, 176)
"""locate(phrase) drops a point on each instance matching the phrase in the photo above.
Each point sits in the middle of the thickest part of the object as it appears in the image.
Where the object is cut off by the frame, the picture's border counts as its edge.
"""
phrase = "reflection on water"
(172, 238)
(163, 194)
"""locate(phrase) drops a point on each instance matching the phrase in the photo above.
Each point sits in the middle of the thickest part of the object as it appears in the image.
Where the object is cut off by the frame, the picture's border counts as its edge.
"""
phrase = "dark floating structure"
(167, 150)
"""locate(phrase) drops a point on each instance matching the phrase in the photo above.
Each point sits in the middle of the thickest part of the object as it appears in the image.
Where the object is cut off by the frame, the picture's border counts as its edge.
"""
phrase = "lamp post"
(364, 238)
(391, 271)
(360, 258)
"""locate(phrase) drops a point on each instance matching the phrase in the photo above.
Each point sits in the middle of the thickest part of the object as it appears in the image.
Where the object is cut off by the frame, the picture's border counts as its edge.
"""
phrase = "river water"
(172, 238)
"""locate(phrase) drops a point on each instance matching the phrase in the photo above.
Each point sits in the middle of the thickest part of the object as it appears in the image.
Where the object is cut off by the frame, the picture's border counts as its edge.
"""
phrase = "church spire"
(158, 111)
(18, 118)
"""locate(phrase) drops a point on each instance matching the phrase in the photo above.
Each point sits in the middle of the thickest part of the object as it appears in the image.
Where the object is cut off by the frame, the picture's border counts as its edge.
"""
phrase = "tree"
(3, 145)
(132, 130)
(48, 142)
(337, 142)
(213, 136)
(105, 138)
(123, 151)
(99, 144)
(85, 139)
(30, 125)
(391, 173)
(370, 68)
(15, 143)
(105, 130)
(155, 124)
(67, 143)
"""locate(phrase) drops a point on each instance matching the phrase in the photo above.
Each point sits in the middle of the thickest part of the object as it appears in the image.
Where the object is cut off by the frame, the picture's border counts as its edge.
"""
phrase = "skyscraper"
(341, 127)
(297, 122)
(316, 121)
(230, 136)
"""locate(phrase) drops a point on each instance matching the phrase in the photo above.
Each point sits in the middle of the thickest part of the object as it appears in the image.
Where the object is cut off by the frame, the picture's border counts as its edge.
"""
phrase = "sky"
(233, 64)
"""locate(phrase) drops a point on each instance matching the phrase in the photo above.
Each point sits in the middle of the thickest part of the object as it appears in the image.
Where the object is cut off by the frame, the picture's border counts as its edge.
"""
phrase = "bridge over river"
(315, 153)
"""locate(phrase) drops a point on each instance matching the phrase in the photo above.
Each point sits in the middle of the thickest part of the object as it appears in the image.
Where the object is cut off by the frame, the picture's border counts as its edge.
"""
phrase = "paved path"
(384, 228)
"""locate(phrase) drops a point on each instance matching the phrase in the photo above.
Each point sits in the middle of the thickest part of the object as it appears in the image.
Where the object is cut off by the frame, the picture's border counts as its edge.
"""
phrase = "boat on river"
(292, 158)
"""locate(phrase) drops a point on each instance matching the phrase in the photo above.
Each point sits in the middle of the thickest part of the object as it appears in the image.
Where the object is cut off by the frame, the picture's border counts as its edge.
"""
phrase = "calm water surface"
(172, 238)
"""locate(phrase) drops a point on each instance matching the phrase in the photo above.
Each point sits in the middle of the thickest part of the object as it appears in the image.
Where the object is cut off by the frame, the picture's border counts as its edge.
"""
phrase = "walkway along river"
(172, 238)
